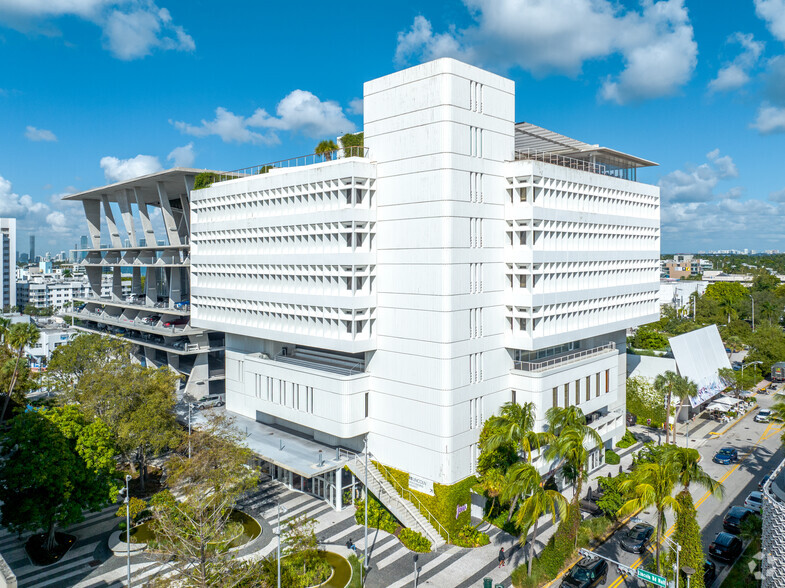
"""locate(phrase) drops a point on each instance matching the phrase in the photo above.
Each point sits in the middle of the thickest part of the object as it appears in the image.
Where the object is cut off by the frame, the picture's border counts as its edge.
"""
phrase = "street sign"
(653, 578)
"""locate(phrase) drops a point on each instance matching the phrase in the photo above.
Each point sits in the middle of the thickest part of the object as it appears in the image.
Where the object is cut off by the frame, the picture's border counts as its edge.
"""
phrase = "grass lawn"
(355, 581)
(740, 572)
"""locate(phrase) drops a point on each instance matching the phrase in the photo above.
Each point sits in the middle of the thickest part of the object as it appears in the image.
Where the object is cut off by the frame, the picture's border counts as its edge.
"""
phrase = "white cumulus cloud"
(770, 119)
(117, 170)
(299, 112)
(355, 106)
(698, 183)
(131, 28)
(656, 42)
(182, 156)
(773, 12)
(39, 217)
(34, 134)
(736, 74)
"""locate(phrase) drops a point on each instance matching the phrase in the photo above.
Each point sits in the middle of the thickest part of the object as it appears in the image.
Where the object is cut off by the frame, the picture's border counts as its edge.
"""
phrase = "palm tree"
(651, 484)
(685, 389)
(538, 502)
(571, 440)
(768, 309)
(19, 336)
(326, 149)
(493, 483)
(686, 463)
(515, 426)
(5, 324)
(669, 383)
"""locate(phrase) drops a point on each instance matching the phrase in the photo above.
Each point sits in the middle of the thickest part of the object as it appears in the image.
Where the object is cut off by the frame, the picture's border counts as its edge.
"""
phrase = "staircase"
(409, 515)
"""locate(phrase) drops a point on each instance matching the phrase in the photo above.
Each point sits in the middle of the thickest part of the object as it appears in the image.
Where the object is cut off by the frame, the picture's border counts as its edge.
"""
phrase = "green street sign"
(653, 578)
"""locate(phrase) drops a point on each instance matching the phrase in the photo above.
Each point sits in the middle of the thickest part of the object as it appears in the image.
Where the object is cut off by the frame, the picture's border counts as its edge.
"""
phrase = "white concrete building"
(139, 285)
(50, 338)
(8, 262)
(406, 291)
(50, 291)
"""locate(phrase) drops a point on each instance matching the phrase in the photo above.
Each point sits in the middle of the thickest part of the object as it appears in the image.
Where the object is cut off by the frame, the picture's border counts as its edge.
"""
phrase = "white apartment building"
(8, 262)
(138, 282)
(50, 291)
(404, 293)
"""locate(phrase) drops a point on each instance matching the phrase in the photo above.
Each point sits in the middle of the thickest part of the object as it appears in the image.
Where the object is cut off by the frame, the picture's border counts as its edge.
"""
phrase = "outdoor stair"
(402, 509)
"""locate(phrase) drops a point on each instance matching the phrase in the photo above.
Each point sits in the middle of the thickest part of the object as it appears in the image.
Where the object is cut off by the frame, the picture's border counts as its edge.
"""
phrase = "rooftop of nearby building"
(172, 179)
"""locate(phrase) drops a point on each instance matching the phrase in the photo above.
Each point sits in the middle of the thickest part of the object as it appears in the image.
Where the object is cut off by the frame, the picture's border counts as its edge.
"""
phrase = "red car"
(183, 320)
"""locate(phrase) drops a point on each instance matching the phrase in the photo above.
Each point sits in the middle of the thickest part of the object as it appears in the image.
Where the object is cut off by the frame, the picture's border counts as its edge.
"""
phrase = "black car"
(636, 539)
(632, 419)
(734, 519)
(725, 547)
(709, 573)
(587, 573)
(762, 483)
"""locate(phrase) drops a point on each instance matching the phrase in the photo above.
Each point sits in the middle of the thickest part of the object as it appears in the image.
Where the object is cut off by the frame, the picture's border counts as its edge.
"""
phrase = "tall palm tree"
(669, 383)
(19, 336)
(5, 324)
(515, 425)
(685, 389)
(571, 442)
(538, 502)
(651, 484)
(516, 484)
(686, 463)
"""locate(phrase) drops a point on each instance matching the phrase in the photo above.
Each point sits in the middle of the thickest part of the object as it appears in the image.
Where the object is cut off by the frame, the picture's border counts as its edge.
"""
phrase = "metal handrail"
(400, 489)
(310, 159)
(562, 160)
(533, 366)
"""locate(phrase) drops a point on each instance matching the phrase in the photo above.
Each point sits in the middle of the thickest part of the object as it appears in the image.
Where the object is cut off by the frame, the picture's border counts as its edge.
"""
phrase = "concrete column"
(186, 198)
(151, 286)
(136, 281)
(185, 227)
(169, 220)
(144, 218)
(114, 233)
(92, 212)
(117, 284)
(339, 489)
(94, 279)
(175, 294)
(124, 201)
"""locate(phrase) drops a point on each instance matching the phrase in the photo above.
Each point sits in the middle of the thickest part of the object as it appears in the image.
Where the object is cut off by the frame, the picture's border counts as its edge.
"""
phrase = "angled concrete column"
(117, 284)
(174, 286)
(136, 281)
(144, 218)
(124, 201)
(94, 278)
(114, 233)
(151, 286)
(186, 224)
(186, 198)
(92, 212)
(169, 220)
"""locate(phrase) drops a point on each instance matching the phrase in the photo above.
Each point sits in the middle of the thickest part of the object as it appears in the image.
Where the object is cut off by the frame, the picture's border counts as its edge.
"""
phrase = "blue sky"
(92, 91)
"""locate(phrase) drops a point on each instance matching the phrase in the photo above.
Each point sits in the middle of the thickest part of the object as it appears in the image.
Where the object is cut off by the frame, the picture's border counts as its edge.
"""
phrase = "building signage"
(421, 485)
(461, 508)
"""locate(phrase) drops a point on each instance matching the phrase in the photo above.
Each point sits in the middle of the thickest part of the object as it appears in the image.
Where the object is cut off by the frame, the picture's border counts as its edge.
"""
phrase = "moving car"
(725, 547)
(735, 518)
(754, 502)
(709, 572)
(726, 456)
(763, 416)
(636, 539)
(587, 573)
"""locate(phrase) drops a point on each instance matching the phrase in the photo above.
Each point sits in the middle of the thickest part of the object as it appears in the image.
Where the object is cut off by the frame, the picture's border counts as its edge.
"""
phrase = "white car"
(754, 502)
(763, 416)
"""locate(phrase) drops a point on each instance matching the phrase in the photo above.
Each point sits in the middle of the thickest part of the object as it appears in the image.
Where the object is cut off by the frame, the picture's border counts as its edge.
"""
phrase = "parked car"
(632, 419)
(735, 518)
(763, 416)
(709, 573)
(176, 322)
(182, 304)
(151, 319)
(763, 481)
(725, 547)
(210, 403)
(726, 456)
(587, 573)
(754, 502)
(637, 538)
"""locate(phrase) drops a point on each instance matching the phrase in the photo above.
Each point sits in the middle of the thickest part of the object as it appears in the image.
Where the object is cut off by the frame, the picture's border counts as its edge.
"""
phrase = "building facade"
(408, 291)
(8, 263)
(139, 281)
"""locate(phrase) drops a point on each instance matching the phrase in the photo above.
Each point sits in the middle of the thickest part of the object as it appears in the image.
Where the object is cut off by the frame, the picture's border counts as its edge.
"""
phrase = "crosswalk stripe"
(82, 553)
(397, 553)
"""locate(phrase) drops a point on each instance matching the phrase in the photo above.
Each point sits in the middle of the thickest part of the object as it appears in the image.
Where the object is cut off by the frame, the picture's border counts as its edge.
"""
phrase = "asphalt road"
(760, 451)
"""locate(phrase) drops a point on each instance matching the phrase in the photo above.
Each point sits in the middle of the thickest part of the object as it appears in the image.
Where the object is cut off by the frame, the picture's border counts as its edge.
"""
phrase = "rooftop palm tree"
(538, 502)
(326, 149)
(515, 425)
(651, 484)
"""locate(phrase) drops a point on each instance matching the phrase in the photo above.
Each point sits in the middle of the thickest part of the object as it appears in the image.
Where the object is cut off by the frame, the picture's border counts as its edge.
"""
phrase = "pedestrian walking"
(501, 557)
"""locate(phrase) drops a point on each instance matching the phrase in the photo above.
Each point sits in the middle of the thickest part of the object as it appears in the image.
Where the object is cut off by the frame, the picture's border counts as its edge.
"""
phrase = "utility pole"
(365, 547)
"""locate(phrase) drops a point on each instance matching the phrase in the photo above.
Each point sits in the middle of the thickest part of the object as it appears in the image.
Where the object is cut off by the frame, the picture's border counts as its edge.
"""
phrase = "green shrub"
(444, 504)
(414, 541)
(628, 440)
(611, 457)
(645, 402)
(470, 537)
(612, 498)
(352, 140)
(593, 530)
(378, 516)
(647, 337)
(203, 180)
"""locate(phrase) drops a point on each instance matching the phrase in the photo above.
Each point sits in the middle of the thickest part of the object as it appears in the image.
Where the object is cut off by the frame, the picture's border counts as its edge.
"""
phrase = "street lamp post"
(128, 529)
(189, 430)
(278, 548)
(688, 571)
(677, 548)
(742, 369)
(365, 546)
(415, 570)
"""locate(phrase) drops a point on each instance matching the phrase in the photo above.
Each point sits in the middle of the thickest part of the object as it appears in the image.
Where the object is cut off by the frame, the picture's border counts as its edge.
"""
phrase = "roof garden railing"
(310, 159)
(561, 160)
